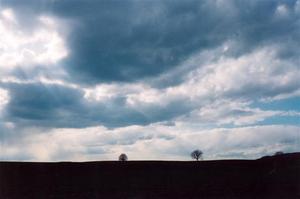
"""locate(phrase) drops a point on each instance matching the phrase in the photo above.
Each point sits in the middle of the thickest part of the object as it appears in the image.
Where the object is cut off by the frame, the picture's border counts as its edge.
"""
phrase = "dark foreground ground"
(269, 177)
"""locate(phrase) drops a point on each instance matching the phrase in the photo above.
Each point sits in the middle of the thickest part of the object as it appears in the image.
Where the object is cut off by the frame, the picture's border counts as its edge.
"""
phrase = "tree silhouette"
(197, 154)
(123, 157)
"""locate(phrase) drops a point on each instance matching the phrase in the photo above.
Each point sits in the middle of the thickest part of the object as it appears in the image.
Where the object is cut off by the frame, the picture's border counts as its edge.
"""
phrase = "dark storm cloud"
(37, 104)
(130, 40)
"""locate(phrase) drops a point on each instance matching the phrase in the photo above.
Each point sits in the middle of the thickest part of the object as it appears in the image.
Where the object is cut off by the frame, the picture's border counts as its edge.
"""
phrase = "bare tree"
(197, 154)
(123, 157)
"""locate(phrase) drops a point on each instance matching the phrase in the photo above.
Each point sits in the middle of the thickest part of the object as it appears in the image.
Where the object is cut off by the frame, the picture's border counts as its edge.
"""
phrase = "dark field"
(269, 177)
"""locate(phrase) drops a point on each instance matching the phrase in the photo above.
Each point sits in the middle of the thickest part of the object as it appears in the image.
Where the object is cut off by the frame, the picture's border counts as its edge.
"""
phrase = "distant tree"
(123, 157)
(278, 153)
(197, 154)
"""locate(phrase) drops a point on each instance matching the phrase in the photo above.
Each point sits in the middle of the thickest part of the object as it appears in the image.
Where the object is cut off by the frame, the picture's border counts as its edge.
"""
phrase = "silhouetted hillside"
(268, 177)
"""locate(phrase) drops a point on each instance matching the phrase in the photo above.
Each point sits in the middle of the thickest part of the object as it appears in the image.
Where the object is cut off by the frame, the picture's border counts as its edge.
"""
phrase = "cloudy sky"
(87, 80)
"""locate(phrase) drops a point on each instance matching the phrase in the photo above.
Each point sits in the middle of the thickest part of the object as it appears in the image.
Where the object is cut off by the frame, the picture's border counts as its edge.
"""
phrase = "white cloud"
(257, 75)
(152, 142)
(282, 96)
(282, 10)
(229, 112)
(44, 45)
(252, 75)
(238, 113)
(4, 98)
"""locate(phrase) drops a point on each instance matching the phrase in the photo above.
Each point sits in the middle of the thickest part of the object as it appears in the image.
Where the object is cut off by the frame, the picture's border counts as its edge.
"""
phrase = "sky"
(85, 80)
